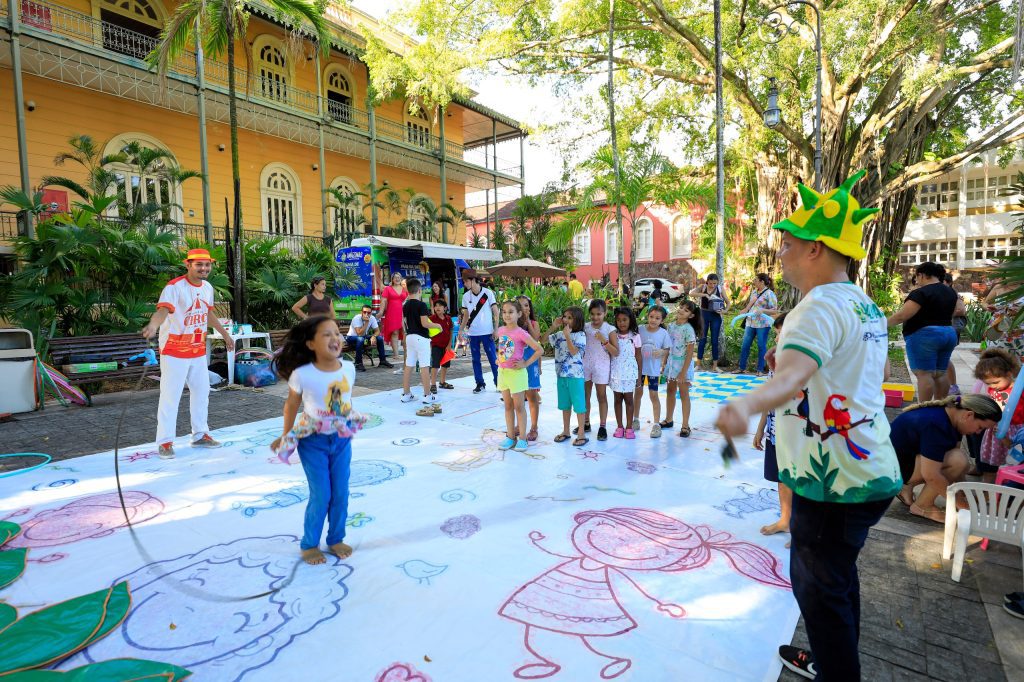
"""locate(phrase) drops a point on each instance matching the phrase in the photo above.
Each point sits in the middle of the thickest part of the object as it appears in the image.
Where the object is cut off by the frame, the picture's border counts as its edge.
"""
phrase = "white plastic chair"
(994, 511)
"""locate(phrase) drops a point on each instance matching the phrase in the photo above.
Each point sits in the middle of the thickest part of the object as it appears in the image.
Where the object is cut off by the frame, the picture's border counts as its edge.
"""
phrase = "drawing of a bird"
(803, 410)
(421, 571)
(837, 420)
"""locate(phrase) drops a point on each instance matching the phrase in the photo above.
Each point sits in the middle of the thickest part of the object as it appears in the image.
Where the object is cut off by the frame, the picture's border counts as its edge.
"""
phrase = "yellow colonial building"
(303, 118)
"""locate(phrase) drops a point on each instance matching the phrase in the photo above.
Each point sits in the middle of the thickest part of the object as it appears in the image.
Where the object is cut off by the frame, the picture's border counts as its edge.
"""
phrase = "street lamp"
(772, 113)
(776, 26)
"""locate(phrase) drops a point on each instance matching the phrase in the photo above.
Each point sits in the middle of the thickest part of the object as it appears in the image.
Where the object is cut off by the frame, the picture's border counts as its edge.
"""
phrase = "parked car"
(670, 291)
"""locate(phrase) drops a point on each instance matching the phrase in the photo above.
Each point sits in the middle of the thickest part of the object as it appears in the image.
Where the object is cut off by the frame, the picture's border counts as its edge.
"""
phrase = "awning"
(432, 249)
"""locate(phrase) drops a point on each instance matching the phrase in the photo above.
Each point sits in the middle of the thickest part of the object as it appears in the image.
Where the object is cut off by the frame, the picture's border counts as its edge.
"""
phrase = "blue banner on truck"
(358, 261)
(408, 263)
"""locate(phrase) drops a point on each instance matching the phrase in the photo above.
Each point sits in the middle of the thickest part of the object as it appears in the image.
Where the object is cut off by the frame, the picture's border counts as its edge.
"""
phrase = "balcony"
(9, 229)
(61, 44)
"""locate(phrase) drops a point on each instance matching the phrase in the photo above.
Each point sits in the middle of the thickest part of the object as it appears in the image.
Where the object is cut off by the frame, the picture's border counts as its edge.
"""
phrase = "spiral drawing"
(457, 495)
(405, 442)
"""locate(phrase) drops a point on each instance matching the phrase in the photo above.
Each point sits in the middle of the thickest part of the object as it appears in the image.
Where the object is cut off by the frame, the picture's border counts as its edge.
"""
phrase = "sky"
(515, 98)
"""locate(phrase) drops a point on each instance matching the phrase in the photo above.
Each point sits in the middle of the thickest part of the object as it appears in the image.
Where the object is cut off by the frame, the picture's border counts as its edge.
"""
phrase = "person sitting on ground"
(316, 301)
(927, 319)
(365, 327)
(927, 438)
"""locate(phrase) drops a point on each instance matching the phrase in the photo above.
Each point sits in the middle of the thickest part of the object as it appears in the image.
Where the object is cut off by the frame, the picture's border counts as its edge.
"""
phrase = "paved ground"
(916, 623)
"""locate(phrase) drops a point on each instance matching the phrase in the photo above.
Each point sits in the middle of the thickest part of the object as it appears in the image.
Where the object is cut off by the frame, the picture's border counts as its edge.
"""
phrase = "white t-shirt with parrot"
(832, 439)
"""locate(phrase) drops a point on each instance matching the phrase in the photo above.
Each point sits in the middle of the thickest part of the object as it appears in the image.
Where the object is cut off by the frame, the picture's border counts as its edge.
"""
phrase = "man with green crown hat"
(832, 435)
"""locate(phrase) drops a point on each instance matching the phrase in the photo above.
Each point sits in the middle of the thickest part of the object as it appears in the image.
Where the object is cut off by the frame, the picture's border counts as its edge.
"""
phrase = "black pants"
(827, 537)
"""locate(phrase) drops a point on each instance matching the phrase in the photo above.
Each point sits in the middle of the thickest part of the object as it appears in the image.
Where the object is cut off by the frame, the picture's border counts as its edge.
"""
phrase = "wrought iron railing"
(9, 225)
(83, 28)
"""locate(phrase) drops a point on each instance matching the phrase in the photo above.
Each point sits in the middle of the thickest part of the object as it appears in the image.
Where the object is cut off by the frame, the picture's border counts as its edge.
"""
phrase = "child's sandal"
(561, 438)
(666, 424)
(684, 432)
(581, 441)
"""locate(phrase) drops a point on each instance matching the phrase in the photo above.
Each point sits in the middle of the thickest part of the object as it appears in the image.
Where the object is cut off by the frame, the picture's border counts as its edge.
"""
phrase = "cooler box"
(17, 371)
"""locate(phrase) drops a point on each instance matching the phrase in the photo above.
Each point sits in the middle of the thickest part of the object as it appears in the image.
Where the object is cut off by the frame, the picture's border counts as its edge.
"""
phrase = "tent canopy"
(432, 249)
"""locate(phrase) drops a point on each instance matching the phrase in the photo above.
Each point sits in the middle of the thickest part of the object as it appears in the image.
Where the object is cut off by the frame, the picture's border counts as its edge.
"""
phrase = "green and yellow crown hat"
(834, 219)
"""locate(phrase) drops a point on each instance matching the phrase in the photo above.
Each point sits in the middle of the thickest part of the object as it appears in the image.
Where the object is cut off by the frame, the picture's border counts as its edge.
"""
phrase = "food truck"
(375, 258)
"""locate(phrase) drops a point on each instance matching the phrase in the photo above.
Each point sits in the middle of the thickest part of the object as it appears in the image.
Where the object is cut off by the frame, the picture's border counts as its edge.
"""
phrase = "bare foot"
(340, 550)
(777, 527)
(313, 556)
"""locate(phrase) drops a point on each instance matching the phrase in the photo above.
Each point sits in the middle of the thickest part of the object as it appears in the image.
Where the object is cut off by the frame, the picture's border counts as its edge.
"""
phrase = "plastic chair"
(1007, 473)
(994, 511)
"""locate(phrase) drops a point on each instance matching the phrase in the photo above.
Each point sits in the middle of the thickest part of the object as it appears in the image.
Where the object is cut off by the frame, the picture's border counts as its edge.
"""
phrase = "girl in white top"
(322, 385)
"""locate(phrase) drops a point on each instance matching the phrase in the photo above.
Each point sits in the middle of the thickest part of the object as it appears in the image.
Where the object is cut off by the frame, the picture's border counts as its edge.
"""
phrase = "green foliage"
(548, 302)
(529, 229)
(51, 634)
(978, 320)
(276, 279)
(883, 287)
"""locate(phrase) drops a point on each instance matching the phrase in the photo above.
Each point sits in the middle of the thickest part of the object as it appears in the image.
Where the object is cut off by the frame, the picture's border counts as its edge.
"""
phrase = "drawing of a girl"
(576, 597)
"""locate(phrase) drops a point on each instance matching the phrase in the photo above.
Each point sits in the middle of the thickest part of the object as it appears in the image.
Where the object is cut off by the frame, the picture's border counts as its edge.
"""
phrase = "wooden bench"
(114, 347)
(277, 337)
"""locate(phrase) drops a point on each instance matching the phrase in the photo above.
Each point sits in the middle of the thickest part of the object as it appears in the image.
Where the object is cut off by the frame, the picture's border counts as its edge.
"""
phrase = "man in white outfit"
(182, 318)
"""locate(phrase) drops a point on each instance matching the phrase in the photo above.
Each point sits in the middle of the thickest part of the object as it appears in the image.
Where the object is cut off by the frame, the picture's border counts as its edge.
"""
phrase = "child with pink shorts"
(597, 363)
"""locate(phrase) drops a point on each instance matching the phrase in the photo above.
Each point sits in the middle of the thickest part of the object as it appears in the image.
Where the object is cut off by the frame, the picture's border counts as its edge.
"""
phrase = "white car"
(670, 291)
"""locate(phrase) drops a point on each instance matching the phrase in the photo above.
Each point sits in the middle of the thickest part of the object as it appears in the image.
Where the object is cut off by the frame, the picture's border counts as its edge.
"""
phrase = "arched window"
(338, 86)
(644, 231)
(611, 243)
(272, 69)
(419, 218)
(130, 27)
(417, 128)
(682, 229)
(281, 198)
(346, 216)
(581, 247)
(135, 184)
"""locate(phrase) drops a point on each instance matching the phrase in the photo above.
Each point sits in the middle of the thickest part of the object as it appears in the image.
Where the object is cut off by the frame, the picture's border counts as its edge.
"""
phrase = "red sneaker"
(206, 442)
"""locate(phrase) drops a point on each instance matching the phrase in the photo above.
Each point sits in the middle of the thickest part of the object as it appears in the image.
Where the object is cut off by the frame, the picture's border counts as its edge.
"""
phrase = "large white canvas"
(455, 545)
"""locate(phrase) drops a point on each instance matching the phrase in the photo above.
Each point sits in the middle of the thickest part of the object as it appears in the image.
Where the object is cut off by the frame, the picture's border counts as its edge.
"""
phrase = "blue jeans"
(360, 341)
(326, 459)
(762, 345)
(487, 341)
(929, 348)
(713, 328)
(827, 537)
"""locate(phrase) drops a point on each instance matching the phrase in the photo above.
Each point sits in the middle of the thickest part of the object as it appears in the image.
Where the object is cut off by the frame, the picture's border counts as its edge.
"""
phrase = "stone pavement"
(917, 624)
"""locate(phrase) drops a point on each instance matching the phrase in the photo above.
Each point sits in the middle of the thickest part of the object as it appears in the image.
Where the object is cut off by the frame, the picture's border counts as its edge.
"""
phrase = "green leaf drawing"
(53, 633)
(8, 531)
(12, 565)
(132, 669)
(8, 614)
(118, 605)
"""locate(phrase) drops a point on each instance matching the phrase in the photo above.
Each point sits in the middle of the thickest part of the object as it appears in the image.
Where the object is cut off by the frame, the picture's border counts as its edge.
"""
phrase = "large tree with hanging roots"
(910, 89)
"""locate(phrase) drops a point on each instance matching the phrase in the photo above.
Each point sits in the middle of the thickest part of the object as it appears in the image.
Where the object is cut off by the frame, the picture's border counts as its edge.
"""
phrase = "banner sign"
(358, 261)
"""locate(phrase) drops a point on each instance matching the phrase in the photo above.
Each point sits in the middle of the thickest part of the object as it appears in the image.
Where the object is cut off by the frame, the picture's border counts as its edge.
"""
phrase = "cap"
(835, 219)
(198, 254)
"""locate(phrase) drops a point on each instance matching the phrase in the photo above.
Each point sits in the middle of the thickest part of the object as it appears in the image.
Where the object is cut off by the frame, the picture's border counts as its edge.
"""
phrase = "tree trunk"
(239, 304)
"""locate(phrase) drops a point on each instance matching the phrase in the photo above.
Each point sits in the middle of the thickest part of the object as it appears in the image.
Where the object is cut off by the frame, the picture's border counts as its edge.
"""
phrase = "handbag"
(716, 303)
(256, 369)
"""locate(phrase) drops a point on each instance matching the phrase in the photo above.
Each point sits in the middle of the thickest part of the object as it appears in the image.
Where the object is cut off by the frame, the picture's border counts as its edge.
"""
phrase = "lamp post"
(776, 26)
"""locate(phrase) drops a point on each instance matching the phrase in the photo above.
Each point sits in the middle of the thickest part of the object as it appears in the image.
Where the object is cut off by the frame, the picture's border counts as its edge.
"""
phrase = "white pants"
(175, 373)
(417, 350)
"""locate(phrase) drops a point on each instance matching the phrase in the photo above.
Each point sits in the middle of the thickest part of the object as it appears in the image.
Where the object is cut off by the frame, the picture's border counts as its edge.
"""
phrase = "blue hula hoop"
(26, 469)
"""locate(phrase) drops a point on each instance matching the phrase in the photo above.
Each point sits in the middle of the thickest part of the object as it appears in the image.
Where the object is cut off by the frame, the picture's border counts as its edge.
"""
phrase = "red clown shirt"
(183, 333)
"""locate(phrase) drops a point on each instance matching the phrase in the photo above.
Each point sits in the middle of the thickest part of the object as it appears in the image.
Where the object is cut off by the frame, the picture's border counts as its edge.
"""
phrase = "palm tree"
(347, 203)
(386, 199)
(529, 228)
(214, 26)
(87, 154)
(432, 217)
(645, 177)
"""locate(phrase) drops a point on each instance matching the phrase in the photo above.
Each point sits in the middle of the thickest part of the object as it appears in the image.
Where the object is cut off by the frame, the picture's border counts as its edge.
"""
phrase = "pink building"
(665, 242)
